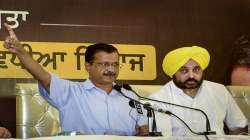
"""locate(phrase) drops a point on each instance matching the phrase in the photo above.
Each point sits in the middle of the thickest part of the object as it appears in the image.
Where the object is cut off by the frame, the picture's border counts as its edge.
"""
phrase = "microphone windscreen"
(137, 105)
(117, 87)
(127, 87)
(132, 103)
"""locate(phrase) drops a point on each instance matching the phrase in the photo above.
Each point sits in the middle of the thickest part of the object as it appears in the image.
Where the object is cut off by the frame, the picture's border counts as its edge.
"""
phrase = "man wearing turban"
(187, 88)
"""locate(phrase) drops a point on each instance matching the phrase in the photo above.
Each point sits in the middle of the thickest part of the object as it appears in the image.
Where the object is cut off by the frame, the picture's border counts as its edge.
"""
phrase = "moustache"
(191, 80)
(109, 73)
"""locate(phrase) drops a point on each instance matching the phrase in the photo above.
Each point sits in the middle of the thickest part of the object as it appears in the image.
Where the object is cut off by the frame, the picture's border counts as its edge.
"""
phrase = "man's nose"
(111, 68)
(191, 74)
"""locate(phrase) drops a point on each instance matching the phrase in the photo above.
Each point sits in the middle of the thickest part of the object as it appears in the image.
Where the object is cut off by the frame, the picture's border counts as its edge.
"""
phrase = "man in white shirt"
(187, 88)
(92, 107)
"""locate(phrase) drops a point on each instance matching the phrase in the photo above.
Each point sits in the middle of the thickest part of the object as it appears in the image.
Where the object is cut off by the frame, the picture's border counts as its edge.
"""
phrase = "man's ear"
(87, 66)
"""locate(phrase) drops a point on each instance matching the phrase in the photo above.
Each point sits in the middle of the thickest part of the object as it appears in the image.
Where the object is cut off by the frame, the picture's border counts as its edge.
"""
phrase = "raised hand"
(11, 41)
(13, 45)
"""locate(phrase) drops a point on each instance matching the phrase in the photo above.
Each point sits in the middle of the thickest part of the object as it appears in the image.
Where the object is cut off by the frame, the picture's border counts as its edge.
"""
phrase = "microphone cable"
(133, 101)
(208, 128)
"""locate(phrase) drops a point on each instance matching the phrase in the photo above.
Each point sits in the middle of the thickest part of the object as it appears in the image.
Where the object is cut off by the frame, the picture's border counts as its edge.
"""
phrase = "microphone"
(147, 105)
(137, 105)
(119, 89)
(208, 128)
(150, 113)
(152, 122)
(132, 102)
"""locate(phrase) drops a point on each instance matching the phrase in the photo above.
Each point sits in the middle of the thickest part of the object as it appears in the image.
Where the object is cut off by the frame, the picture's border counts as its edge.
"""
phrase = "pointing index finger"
(10, 31)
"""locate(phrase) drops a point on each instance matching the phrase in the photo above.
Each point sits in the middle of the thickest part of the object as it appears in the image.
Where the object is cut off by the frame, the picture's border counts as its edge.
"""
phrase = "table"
(109, 137)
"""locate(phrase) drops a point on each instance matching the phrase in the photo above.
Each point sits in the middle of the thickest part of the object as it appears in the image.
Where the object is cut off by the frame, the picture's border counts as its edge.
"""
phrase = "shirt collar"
(89, 85)
(180, 91)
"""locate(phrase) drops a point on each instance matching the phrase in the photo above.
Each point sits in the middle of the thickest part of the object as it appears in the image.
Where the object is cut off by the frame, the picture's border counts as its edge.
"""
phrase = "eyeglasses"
(107, 64)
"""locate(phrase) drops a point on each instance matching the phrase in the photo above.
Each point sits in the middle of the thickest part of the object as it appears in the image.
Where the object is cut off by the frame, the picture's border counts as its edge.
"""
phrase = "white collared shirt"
(90, 110)
(213, 98)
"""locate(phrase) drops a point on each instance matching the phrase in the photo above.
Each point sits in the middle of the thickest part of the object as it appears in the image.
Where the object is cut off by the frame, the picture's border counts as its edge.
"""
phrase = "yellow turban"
(175, 59)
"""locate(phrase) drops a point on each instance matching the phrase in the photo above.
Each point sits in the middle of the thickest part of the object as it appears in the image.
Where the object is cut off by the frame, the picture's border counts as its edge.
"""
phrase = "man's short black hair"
(241, 52)
(98, 47)
(240, 56)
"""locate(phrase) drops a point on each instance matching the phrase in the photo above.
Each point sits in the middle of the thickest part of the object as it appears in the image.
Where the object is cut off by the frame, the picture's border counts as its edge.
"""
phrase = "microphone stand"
(208, 128)
(150, 112)
(133, 103)
(151, 121)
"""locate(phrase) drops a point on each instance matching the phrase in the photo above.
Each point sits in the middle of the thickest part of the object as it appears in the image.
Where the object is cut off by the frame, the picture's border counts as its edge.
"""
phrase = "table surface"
(109, 137)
